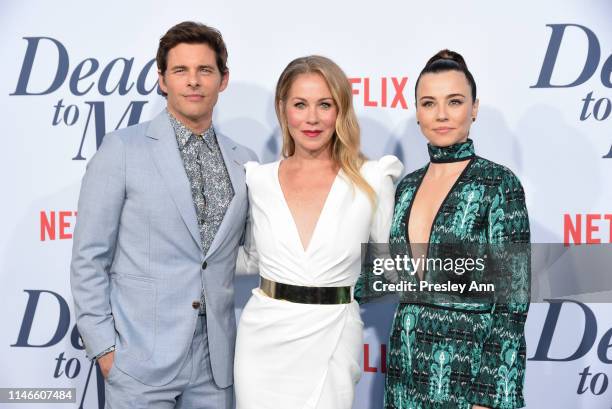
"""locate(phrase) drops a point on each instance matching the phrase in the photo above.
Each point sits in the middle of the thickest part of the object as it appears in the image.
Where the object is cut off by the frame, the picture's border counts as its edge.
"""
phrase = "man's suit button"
(204, 265)
(195, 305)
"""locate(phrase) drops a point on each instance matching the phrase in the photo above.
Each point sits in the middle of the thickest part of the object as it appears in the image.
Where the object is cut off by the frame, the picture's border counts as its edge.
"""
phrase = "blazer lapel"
(165, 153)
(235, 169)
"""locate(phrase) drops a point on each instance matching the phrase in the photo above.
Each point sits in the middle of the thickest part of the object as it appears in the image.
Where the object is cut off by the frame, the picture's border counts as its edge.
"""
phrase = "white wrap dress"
(307, 356)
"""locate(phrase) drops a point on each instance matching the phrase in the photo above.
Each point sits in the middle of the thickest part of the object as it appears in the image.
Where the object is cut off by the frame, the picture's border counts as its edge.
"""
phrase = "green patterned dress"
(455, 355)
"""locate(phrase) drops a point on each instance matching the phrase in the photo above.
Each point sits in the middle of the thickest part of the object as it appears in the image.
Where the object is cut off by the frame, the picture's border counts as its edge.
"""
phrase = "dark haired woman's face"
(444, 107)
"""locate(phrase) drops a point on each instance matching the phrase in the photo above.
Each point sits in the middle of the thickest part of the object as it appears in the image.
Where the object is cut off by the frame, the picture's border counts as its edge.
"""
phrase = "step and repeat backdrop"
(72, 71)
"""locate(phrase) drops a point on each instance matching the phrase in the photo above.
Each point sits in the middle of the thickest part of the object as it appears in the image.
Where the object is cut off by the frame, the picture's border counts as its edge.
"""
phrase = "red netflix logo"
(378, 92)
(56, 225)
(585, 228)
(366, 359)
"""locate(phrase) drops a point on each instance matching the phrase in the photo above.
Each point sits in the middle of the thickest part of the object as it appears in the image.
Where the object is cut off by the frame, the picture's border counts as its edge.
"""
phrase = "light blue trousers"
(193, 388)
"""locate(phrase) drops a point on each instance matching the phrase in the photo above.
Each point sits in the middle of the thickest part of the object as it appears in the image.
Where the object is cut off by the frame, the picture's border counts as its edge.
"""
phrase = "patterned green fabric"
(453, 153)
(452, 355)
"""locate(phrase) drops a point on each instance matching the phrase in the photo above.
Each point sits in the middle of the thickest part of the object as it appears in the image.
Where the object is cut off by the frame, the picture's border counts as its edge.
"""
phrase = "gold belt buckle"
(267, 286)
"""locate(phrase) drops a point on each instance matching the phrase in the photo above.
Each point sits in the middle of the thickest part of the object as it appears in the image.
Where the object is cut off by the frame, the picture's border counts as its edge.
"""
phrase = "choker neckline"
(453, 153)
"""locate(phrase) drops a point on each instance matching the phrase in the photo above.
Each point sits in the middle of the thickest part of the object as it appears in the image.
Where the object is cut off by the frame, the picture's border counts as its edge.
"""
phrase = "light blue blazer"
(137, 260)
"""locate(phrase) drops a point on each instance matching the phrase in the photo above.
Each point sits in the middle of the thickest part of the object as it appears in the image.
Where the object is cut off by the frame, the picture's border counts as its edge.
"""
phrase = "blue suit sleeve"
(101, 199)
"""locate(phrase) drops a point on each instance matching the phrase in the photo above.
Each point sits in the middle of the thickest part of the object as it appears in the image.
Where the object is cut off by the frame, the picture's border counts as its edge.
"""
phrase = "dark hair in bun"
(447, 60)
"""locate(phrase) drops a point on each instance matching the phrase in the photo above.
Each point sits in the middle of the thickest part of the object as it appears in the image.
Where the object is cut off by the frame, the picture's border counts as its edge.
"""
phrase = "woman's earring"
(473, 119)
(418, 123)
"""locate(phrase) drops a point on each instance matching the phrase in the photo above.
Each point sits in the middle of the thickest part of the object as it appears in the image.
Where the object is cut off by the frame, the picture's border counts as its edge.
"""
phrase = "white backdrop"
(59, 80)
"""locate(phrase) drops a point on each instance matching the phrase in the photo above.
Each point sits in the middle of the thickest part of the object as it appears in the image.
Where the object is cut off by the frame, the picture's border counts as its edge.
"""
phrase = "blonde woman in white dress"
(299, 343)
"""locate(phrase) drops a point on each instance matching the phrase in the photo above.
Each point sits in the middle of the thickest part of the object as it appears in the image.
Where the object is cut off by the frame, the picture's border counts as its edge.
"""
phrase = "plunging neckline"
(288, 209)
(436, 215)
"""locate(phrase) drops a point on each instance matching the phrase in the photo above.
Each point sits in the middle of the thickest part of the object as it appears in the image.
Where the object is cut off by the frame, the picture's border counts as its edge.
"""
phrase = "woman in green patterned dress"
(452, 354)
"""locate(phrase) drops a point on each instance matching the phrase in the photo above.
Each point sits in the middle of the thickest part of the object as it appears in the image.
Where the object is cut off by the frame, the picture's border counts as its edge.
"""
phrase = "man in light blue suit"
(161, 213)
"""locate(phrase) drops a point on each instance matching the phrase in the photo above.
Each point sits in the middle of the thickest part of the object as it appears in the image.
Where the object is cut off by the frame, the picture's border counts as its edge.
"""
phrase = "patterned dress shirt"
(211, 188)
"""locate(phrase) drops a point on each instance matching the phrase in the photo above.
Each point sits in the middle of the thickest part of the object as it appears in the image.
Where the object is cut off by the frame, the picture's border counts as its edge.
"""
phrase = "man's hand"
(106, 363)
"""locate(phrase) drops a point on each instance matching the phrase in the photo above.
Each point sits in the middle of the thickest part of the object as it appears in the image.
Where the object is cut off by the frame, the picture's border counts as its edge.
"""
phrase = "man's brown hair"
(191, 32)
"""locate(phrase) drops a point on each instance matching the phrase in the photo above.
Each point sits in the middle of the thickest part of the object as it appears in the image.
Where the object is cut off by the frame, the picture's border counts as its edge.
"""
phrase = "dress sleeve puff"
(384, 173)
(388, 169)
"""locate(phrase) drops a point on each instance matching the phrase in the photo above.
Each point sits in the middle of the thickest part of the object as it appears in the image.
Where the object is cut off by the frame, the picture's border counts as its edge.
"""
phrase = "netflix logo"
(57, 224)
(587, 228)
(385, 92)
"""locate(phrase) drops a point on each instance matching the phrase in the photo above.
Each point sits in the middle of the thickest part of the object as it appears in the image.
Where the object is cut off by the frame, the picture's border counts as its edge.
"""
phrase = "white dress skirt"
(306, 356)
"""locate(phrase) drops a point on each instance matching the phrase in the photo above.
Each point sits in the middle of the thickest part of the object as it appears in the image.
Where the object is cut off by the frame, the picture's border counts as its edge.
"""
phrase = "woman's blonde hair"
(345, 148)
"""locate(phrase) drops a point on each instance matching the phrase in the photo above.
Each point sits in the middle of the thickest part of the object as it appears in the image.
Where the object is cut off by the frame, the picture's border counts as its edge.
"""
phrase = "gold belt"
(305, 295)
